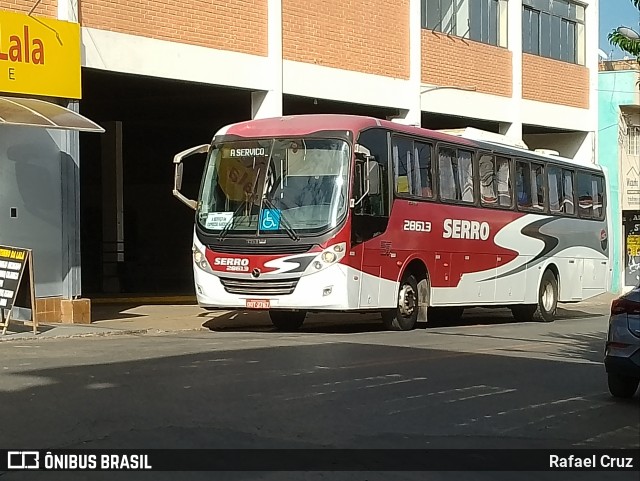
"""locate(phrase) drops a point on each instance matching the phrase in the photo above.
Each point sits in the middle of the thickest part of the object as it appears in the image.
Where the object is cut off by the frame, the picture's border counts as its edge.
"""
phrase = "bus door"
(371, 204)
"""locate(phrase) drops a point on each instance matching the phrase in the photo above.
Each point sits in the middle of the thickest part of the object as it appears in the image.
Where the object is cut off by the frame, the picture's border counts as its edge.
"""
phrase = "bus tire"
(287, 320)
(545, 309)
(405, 316)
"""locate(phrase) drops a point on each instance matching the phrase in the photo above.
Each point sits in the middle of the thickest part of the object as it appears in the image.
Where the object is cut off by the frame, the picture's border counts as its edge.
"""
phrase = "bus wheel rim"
(547, 297)
(407, 300)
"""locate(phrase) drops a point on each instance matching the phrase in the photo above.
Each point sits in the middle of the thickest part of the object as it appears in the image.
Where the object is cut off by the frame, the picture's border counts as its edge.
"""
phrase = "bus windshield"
(292, 186)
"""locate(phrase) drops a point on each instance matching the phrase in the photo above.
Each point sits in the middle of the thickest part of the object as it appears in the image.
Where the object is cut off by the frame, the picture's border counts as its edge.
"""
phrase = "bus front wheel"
(405, 316)
(287, 320)
(545, 309)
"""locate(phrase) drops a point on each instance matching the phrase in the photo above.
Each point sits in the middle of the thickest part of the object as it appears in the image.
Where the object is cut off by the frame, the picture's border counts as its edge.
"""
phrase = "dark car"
(622, 351)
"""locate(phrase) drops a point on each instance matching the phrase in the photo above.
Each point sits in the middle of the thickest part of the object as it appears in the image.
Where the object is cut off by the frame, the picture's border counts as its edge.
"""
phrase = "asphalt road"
(342, 382)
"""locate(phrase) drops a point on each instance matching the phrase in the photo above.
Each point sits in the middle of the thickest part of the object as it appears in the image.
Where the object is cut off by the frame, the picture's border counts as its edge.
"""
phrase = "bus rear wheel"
(545, 309)
(405, 316)
(287, 320)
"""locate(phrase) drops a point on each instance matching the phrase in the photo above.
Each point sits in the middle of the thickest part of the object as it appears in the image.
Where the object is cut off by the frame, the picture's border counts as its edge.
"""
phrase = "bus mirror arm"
(371, 179)
(367, 182)
(177, 179)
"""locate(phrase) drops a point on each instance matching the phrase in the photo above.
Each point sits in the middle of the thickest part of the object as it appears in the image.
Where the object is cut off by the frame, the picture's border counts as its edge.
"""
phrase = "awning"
(38, 113)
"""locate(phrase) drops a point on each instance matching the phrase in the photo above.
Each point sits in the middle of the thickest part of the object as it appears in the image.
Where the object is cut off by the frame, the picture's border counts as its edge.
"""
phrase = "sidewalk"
(114, 319)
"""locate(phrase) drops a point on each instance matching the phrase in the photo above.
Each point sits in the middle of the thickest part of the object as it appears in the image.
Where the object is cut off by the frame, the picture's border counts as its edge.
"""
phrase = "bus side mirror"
(177, 178)
(367, 177)
(373, 168)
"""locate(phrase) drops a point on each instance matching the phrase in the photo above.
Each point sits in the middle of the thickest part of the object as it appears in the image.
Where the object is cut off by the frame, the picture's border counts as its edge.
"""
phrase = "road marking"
(358, 379)
(550, 417)
(608, 434)
(447, 391)
(498, 390)
(368, 386)
(502, 391)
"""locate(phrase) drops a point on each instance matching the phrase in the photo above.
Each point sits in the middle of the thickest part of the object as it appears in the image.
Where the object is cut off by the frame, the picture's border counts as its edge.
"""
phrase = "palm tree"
(624, 42)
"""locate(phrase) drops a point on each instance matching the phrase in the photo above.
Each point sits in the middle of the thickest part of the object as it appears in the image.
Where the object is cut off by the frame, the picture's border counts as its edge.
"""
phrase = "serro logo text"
(233, 264)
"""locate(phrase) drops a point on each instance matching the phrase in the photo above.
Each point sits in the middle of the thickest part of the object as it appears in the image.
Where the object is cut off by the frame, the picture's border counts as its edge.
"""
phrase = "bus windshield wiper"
(229, 226)
(283, 221)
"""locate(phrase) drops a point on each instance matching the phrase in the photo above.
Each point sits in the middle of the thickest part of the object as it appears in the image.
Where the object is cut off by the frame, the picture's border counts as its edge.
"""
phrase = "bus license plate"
(258, 304)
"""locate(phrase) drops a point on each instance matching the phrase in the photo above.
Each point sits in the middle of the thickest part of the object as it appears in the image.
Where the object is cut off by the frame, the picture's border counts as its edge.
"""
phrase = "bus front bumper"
(335, 288)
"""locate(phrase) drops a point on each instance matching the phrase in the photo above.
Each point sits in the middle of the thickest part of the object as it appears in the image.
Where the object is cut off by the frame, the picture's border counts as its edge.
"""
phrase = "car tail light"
(625, 306)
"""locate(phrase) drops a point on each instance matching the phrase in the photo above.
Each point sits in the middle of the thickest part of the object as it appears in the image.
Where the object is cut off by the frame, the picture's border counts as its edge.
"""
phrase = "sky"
(614, 13)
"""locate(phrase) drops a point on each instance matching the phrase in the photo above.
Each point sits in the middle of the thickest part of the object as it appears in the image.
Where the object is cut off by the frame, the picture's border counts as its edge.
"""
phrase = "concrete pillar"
(112, 206)
(412, 115)
(591, 62)
(68, 10)
(70, 183)
(268, 103)
(514, 42)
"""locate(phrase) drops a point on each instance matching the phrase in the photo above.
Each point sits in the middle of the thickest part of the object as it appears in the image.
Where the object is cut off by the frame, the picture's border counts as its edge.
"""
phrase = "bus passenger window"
(412, 167)
(402, 164)
(465, 171)
(503, 180)
(585, 195)
(523, 184)
(456, 174)
(597, 186)
(537, 186)
(447, 180)
(423, 173)
(567, 197)
(555, 190)
(487, 178)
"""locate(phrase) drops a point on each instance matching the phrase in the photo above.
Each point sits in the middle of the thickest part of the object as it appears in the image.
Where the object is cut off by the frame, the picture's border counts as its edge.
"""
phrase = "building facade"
(619, 152)
(161, 75)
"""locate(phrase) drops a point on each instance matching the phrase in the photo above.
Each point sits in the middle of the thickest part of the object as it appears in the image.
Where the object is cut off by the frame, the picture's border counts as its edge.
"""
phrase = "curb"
(124, 332)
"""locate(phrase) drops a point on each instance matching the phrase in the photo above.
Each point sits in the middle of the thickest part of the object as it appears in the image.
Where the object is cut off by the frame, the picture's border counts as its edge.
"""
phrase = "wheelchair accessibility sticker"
(270, 219)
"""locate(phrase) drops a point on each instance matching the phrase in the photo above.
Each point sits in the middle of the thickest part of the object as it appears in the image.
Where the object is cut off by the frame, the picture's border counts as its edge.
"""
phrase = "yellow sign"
(236, 180)
(39, 56)
(633, 245)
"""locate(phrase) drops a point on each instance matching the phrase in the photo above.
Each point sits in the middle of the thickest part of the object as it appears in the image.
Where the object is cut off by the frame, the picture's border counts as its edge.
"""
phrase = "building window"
(481, 20)
(553, 29)
(633, 141)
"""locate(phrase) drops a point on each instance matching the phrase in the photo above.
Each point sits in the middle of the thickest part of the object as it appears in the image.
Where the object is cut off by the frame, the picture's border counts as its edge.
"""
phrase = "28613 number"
(417, 225)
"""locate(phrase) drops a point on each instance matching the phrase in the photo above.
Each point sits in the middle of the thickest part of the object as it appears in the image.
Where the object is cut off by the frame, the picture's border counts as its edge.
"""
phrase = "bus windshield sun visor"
(39, 113)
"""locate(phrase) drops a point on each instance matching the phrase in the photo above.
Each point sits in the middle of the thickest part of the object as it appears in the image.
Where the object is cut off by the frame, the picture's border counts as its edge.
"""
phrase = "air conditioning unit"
(547, 152)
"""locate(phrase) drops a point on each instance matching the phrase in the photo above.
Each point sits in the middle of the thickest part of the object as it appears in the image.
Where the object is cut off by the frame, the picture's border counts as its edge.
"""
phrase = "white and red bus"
(346, 213)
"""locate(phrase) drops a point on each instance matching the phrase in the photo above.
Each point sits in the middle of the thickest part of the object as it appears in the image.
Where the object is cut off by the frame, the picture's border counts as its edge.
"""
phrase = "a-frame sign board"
(17, 288)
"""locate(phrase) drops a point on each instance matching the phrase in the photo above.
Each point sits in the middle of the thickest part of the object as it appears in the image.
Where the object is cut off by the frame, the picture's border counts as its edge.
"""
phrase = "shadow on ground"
(348, 323)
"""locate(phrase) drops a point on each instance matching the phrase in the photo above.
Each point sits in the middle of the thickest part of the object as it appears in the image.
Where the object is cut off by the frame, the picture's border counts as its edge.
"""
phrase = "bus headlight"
(329, 257)
(201, 260)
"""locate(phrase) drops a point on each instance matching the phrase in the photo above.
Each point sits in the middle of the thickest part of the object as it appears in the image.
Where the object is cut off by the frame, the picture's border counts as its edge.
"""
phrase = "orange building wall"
(369, 36)
(454, 61)
(46, 8)
(553, 81)
(235, 25)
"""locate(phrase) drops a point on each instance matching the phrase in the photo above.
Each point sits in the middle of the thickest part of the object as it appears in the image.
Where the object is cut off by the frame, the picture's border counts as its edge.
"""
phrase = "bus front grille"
(261, 249)
(251, 287)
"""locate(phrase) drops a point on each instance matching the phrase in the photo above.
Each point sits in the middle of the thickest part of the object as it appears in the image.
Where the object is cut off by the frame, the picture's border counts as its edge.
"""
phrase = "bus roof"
(305, 124)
